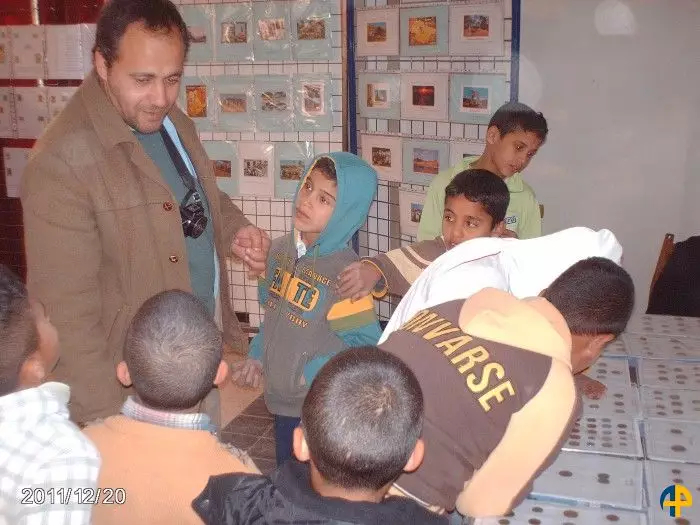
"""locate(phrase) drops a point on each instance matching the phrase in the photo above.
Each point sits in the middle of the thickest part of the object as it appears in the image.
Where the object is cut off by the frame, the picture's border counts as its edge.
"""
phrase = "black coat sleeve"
(234, 499)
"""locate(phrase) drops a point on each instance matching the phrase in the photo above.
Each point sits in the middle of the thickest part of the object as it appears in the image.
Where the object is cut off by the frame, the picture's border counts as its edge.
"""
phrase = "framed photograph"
(28, 51)
(476, 30)
(380, 95)
(423, 159)
(223, 157)
(291, 169)
(272, 29)
(272, 24)
(233, 96)
(197, 100)
(6, 124)
(378, 32)
(15, 161)
(424, 96)
(58, 98)
(64, 54)
(31, 111)
(274, 103)
(424, 31)
(200, 26)
(5, 53)
(410, 211)
(311, 30)
(255, 166)
(475, 97)
(233, 28)
(461, 149)
(384, 154)
(312, 95)
(291, 161)
(313, 102)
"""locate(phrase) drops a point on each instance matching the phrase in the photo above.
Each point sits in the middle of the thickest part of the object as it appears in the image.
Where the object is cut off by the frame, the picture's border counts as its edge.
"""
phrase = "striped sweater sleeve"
(355, 323)
(401, 267)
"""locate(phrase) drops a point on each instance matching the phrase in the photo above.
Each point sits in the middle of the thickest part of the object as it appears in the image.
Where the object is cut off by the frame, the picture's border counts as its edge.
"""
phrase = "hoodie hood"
(356, 188)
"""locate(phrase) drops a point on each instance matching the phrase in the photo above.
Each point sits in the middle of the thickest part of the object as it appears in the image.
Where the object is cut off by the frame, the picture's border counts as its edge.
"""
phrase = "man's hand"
(251, 245)
(591, 388)
(357, 280)
(248, 372)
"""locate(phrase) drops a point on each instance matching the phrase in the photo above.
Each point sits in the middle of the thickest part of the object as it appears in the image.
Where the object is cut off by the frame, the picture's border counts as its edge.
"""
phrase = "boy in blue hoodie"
(306, 322)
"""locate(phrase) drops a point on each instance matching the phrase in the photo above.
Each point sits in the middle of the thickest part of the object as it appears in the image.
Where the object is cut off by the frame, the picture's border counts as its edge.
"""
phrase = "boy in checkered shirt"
(48, 469)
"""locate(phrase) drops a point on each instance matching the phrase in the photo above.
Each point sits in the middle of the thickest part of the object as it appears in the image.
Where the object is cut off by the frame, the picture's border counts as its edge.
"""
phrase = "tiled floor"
(252, 431)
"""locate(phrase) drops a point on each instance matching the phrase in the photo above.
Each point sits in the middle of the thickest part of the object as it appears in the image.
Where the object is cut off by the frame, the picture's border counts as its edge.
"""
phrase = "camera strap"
(180, 166)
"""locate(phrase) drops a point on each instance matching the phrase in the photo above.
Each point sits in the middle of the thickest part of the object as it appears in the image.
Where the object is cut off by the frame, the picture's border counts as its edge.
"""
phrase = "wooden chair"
(664, 255)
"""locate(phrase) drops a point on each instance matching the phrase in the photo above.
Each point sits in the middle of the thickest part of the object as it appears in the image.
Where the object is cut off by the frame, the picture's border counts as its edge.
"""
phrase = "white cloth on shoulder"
(522, 267)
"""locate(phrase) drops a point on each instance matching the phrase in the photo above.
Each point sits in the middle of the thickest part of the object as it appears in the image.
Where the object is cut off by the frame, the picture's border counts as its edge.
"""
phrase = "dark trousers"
(284, 431)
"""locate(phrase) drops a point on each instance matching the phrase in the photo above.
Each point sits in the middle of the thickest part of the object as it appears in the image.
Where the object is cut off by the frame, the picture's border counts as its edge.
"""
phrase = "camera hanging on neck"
(194, 218)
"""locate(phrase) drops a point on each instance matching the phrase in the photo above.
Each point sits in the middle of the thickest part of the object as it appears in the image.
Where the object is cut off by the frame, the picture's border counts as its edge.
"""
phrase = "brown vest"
(471, 388)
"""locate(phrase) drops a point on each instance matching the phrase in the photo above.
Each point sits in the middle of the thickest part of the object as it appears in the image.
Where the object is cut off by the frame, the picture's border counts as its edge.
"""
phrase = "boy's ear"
(32, 372)
(498, 229)
(221, 373)
(596, 344)
(416, 457)
(100, 65)
(492, 135)
(299, 445)
(123, 374)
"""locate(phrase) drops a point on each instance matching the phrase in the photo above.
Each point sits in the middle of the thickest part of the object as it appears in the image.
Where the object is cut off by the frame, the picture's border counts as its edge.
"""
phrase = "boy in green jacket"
(514, 135)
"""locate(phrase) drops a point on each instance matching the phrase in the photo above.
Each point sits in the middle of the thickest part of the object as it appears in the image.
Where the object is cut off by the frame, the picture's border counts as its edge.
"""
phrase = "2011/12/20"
(82, 496)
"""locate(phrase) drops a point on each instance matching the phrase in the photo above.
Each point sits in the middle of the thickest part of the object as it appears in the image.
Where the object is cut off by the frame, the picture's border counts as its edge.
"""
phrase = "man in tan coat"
(112, 199)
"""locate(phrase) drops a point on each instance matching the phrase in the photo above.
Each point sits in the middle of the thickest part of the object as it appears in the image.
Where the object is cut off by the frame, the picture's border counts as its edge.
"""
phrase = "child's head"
(475, 206)
(29, 340)
(595, 296)
(361, 421)
(315, 201)
(172, 352)
(514, 135)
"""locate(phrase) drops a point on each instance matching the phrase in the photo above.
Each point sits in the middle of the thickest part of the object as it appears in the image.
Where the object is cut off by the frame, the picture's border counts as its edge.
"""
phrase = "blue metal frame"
(515, 52)
(352, 88)
(352, 92)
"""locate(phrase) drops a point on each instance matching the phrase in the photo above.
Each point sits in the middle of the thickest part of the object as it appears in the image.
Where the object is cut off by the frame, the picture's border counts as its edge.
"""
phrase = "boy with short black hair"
(497, 375)
(161, 449)
(514, 135)
(361, 423)
(306, 322)
(47, 467)
(475, 206)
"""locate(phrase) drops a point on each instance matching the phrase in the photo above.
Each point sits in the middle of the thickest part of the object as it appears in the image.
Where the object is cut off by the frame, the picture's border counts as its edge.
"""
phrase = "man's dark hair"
(173, 350)
(595, 296)
(484, 187)
(362, 418)
(515, 116)
(117, 15)
(18, 331)
(327, 167)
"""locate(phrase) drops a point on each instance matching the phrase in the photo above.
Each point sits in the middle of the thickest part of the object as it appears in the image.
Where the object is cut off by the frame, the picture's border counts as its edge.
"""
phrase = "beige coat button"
(168, 206)
(173, 258)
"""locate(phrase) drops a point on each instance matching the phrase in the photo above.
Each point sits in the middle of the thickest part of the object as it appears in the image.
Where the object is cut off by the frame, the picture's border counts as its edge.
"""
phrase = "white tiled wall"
(274, 215)
(382, 229)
